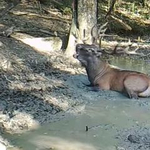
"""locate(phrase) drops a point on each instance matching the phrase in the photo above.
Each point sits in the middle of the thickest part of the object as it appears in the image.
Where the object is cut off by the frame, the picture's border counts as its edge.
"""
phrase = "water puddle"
(127, 63)
(103, 119)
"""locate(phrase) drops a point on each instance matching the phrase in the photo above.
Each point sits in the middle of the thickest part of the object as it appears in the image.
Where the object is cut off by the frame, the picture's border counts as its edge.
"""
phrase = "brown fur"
(105, 77)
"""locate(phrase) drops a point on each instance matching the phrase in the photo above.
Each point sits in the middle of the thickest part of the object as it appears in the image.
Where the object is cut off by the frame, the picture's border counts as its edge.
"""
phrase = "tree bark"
(87, 20)
(84, 24)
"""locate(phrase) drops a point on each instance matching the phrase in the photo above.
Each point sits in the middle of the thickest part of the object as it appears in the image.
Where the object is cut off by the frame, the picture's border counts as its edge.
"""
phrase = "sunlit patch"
(2, 146)
(45, 142)
(12, 125)
(43, 45)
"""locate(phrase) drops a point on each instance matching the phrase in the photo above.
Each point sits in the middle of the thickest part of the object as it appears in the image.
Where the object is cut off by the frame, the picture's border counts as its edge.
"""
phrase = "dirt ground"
(33, 86)
(37, 87)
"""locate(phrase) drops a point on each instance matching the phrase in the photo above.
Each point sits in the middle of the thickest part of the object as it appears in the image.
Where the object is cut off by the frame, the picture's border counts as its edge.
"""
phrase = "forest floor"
(38, 87)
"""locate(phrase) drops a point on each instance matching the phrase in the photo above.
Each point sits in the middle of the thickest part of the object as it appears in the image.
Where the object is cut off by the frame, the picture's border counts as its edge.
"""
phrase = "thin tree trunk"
(72, 34)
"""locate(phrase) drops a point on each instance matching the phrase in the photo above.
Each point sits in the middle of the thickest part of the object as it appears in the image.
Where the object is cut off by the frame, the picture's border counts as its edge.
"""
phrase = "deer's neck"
(96, 68)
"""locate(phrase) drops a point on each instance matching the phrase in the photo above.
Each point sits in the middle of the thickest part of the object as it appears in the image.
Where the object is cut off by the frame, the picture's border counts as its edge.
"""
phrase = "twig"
(7, 79)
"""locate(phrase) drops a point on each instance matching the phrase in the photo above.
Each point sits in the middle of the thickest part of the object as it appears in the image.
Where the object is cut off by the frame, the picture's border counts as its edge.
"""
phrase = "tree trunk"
(87, 19)
(84, 24)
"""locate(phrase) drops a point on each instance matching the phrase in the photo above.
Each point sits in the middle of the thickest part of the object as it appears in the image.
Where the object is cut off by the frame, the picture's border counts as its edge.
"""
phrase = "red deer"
(105, 77)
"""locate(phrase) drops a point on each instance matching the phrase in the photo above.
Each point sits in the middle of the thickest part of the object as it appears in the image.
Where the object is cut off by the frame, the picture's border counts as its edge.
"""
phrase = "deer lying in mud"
(106, 77)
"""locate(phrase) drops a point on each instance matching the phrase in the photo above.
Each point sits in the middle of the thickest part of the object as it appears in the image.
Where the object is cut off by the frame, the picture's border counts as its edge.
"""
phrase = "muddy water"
(104, 119)
(127, 63)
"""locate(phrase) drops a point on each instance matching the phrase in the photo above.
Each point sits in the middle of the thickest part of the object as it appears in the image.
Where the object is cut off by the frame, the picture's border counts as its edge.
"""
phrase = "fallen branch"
(10, 30)
(123, 24)
(133, 17)
(40, 16)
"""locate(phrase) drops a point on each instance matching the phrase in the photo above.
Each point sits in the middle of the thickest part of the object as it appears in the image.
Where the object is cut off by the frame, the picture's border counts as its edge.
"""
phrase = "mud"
(113, 124)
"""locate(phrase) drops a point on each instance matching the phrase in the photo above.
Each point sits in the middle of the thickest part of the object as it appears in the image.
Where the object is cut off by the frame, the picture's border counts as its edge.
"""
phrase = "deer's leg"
(132, 94)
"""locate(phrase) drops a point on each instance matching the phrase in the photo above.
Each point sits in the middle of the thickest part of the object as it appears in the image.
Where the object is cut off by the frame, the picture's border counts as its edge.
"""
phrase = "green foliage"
(131, 12)
(67, 10)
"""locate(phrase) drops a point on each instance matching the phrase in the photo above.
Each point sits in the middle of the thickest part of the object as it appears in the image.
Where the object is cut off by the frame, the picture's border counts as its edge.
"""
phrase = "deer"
(103, 76)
